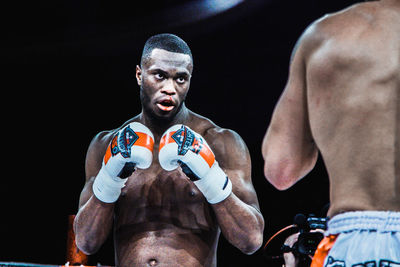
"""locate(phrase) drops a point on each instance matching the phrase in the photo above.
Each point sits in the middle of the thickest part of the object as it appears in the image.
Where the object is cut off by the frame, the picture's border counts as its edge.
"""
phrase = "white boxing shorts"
(360, 239)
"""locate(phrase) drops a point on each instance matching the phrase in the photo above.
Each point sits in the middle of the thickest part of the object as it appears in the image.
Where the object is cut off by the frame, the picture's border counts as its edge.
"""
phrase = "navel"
(152, 262)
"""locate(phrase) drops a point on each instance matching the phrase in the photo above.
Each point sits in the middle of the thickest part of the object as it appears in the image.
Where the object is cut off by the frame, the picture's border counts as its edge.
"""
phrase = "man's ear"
(139, 75)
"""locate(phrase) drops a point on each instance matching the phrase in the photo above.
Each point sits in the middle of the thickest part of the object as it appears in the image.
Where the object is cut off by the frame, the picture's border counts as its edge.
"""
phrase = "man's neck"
(159, 125)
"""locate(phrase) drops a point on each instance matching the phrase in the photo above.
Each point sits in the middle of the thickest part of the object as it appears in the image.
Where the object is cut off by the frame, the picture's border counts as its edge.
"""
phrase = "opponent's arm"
(288, 148)
(110, 160)
(227, 186)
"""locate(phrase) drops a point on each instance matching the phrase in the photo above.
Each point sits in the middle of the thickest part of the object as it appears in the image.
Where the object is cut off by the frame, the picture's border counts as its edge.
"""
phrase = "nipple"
(192, 193)
(153, 262)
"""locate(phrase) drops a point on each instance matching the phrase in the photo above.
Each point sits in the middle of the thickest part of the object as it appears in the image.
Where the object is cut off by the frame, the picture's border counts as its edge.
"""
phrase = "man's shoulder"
(343, 25)
(343, 21)
(227, 135)
(105, 136)
(220, 139)
(207, 128)
(227, 145)
(99, 142)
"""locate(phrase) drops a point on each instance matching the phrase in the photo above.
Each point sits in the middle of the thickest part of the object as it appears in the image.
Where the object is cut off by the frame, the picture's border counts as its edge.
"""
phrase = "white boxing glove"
(131, 147)
(181, 146)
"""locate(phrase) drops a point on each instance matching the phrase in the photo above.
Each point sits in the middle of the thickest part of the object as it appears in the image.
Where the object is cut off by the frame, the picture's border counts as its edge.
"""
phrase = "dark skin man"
(161, 218)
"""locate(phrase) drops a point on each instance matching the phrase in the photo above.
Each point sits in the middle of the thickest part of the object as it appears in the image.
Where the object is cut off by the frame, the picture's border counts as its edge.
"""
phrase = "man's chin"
(164, 116)
(167, 114)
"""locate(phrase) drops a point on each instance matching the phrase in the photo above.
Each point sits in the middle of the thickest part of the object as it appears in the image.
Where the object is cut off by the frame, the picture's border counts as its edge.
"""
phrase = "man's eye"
(181, 80)
(159, 76)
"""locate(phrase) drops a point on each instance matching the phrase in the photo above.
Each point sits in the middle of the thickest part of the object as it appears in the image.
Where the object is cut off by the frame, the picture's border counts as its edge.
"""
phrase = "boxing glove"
(181, 146)
(131, 147)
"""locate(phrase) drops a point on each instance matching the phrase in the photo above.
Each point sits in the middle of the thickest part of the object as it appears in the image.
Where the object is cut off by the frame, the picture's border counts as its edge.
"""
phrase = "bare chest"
(159, 188)
(160, 197)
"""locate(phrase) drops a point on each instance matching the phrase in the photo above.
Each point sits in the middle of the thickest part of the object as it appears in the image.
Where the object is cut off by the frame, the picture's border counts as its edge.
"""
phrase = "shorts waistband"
(381, 221)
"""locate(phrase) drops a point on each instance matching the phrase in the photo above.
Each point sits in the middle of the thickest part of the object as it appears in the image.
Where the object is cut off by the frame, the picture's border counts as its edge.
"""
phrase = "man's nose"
(169, 87)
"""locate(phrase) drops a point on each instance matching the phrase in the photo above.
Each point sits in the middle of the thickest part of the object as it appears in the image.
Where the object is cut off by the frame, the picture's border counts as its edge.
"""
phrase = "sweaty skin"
(161, 218)
(343, 99)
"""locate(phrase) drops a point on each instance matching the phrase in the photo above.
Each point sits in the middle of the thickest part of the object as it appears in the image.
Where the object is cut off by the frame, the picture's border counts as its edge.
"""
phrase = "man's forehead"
(166, 58)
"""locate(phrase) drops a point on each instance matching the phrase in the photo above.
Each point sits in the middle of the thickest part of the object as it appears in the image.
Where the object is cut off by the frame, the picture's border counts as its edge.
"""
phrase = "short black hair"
(165, 41)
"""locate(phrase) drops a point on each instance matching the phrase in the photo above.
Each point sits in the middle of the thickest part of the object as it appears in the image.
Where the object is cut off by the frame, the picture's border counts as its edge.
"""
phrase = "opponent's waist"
(381, 221)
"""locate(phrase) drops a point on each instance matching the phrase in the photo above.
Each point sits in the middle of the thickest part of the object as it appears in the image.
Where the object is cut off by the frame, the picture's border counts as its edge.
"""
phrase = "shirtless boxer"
(191, 179)
(343, 99)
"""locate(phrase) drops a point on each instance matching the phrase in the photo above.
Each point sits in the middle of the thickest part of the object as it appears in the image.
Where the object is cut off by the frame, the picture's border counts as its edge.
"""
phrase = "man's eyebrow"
(158, 70)
(179, 73)
(183, 73)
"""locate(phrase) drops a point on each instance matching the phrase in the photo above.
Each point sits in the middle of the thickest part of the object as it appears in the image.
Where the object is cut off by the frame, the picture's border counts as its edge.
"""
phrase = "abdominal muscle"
(163, 244)
(162, 219)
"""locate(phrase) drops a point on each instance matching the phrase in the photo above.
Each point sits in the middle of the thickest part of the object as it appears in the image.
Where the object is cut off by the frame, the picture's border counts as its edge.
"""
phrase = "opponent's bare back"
(346, 72)
(353, 83)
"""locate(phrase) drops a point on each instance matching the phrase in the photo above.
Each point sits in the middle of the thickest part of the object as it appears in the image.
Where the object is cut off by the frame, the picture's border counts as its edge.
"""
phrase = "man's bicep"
(93, 162)
(86, 192)
(236, 162)
(290, 120)
(243, 188)
(241, 177)
(95, 154)
(290, 116)
(288, 146)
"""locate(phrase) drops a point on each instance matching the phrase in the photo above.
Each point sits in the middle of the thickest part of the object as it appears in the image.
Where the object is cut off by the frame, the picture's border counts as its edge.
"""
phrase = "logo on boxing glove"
(187, 140)
(123, 142)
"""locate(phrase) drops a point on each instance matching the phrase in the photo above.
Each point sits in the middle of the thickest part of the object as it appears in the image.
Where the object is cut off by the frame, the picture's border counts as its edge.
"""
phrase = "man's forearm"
(241, 224)
(92, 225)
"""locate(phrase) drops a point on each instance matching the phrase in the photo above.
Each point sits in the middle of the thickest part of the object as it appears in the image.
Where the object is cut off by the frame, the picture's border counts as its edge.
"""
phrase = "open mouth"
(166, 104)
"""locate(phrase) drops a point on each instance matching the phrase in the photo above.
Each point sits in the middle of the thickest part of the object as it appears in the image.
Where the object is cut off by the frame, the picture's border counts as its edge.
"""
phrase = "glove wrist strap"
(107, 188)
(215, 185)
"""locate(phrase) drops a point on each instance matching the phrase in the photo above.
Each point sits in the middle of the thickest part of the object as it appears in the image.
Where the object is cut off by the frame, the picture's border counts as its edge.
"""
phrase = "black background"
(68, 73)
